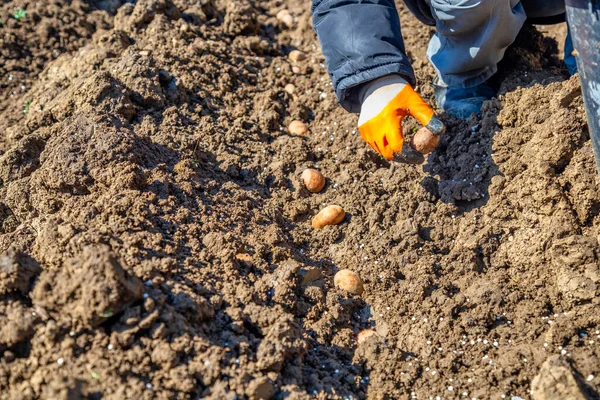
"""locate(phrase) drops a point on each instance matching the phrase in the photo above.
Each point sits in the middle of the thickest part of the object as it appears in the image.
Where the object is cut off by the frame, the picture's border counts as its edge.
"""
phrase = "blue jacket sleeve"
(361, 41)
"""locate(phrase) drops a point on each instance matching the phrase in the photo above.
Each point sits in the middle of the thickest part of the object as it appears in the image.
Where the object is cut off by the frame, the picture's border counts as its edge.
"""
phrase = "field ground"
(156, 239)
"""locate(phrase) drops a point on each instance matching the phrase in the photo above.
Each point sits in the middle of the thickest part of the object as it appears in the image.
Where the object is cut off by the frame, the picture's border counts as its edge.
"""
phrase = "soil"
(156, 239)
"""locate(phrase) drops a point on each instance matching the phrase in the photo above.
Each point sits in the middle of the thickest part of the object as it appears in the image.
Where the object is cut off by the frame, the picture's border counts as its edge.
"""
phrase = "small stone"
(9, 356)
(290, 88)
(287, 18)
(297, 55)
(244, 257)
(149, 304)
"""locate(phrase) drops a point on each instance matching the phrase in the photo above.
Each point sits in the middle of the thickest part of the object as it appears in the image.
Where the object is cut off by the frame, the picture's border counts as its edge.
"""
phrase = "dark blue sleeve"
(361, 41)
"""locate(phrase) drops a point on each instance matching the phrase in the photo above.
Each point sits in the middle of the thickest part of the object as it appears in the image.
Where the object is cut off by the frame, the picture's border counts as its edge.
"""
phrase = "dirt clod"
(16, 323)
(556, 381)
(88, 289)
(16, 272)
(364, 335)
(260, 389)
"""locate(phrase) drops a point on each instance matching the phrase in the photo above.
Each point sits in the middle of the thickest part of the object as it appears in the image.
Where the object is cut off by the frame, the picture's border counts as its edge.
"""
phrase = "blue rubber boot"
(462, 102)
(570, 60)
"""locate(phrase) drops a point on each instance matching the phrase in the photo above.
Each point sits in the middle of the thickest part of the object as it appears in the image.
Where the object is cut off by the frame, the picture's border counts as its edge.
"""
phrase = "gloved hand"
(385, 102)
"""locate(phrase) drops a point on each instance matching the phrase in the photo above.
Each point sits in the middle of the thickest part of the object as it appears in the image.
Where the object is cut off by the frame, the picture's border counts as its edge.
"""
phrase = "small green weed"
(19, 14)
(107, 314)
(26, 107)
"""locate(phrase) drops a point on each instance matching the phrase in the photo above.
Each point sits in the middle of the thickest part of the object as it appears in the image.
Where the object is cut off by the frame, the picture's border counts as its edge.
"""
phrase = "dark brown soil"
(156, 240)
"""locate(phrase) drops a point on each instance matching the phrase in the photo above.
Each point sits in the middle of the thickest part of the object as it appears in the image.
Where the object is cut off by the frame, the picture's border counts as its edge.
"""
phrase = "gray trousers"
(472, 35)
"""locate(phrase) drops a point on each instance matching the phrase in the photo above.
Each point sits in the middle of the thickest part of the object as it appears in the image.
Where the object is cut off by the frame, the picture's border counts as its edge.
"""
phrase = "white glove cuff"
(377, 94)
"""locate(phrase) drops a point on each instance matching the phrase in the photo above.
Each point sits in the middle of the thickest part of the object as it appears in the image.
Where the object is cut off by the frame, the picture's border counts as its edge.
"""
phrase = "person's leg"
(471, 38)
(543, 9)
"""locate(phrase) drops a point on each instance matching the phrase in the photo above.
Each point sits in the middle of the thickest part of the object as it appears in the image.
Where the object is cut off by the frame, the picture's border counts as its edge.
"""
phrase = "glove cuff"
(370, 87)
(377, 94)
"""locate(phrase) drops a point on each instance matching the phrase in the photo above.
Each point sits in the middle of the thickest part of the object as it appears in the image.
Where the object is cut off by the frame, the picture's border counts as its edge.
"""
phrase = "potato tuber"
(330, 215)
(364, 335)
(297, 55)
(298, 128)
(348, 281)
(424, 141)
(313, 180)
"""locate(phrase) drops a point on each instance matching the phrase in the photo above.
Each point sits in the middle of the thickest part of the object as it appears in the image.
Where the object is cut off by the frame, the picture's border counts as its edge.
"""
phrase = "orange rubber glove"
(385, 102)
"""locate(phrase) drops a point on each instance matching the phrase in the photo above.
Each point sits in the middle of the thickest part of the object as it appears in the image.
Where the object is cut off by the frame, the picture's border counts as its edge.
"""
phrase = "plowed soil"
(156, 240)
